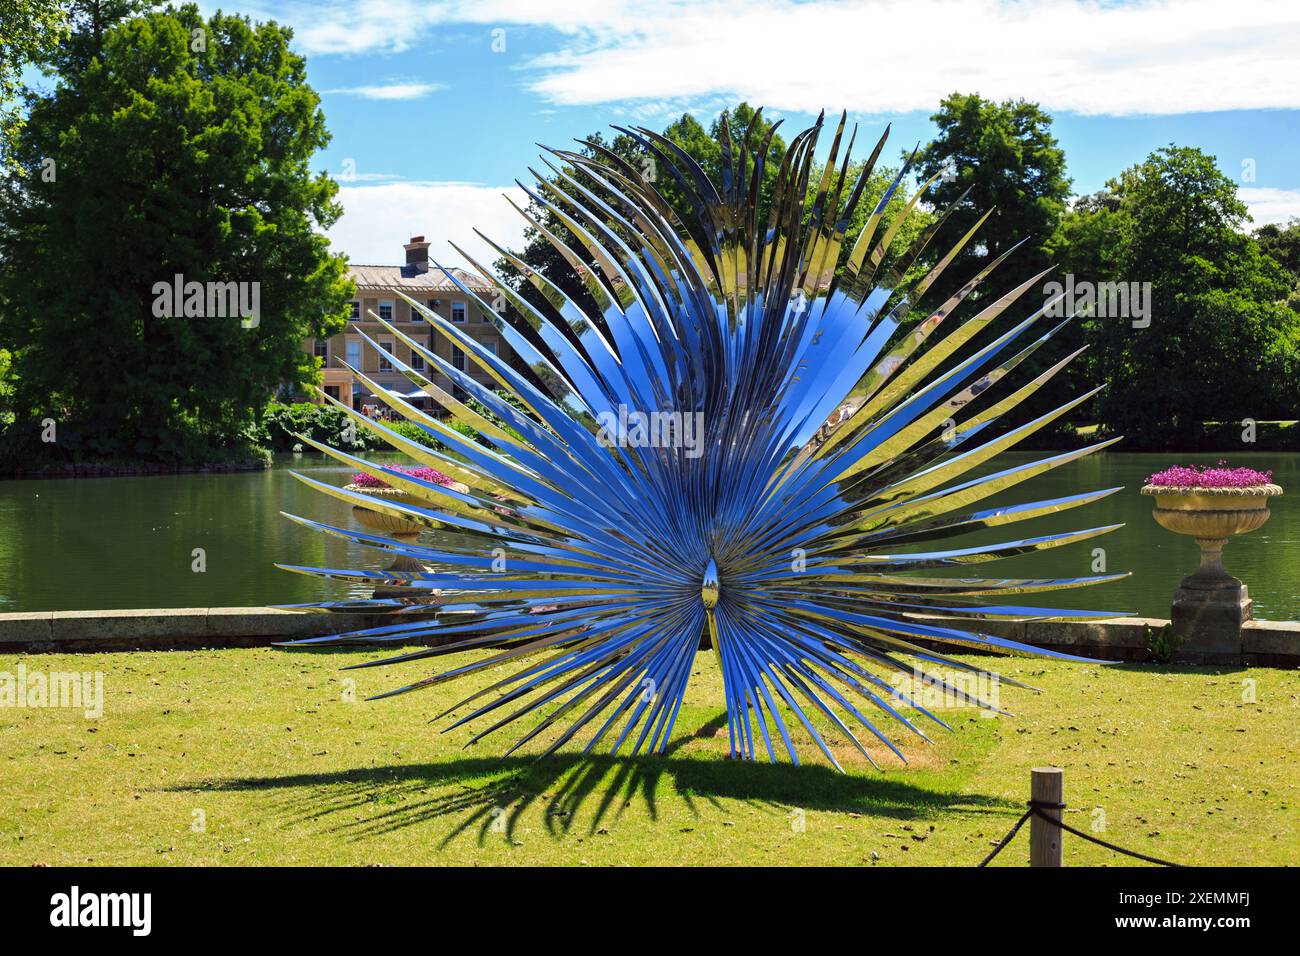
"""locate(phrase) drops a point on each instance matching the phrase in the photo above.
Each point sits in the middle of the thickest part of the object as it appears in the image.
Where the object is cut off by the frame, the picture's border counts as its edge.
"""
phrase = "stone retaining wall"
(1263, 643)
(170, 628)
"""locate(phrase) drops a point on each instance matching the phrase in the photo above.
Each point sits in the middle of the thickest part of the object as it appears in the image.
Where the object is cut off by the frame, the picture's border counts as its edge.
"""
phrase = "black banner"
(336, 906)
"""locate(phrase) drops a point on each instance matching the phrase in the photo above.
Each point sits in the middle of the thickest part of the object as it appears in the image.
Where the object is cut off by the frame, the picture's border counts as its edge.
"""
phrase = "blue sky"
(435, 107)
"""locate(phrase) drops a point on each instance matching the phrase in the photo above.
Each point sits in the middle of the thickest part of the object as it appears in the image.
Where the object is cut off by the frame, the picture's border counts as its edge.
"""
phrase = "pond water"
(80, 544)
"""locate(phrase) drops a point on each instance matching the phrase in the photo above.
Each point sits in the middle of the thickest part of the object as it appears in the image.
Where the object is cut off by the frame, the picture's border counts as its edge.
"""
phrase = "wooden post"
(1047, 785)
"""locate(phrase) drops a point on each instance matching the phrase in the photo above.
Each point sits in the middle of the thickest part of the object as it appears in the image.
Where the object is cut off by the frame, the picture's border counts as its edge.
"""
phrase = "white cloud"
(391, 91)
(348, 26)
(377, 220)
(1141, 57)
(1270, 206)
(871, 56)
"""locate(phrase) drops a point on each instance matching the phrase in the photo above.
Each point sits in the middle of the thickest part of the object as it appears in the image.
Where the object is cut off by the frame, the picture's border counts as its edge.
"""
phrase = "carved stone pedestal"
(1210, 606)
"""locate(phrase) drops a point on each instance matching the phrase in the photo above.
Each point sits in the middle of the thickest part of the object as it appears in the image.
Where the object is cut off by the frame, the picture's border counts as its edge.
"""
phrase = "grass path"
(254, 756)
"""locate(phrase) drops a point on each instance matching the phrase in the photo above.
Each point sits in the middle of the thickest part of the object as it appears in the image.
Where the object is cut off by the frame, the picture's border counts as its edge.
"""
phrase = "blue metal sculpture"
(811, 448)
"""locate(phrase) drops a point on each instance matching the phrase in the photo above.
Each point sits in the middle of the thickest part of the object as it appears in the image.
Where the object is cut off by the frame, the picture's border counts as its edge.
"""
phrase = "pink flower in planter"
(1203, 476)
(362, 480)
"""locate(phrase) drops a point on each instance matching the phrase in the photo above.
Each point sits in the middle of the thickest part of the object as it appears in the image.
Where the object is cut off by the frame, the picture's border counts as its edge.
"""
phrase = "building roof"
(378, 278)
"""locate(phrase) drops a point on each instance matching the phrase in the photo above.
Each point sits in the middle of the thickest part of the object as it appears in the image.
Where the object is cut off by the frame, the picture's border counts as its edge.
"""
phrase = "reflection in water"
(77, 544)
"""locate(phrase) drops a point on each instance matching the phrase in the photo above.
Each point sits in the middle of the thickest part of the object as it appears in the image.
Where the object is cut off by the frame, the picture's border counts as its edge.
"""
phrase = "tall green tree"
(1222, 344)
(181, 147)
(1006, 155)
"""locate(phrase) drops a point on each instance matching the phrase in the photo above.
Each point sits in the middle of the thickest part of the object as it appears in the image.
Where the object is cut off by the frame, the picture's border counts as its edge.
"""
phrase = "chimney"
(417, 254)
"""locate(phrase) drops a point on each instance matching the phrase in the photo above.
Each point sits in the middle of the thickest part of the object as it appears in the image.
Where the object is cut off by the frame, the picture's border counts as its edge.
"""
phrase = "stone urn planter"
(1211, 505)
(400, 529)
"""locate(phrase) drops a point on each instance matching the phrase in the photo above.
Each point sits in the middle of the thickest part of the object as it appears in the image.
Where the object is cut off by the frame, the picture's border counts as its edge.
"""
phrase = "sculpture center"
(710, 587)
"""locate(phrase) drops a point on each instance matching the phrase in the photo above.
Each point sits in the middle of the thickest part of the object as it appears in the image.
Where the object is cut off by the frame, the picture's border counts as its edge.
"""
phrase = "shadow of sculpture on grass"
(491, 796)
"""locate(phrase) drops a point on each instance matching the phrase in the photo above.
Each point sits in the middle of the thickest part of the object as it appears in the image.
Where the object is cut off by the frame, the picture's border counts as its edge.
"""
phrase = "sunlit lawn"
(258, 757)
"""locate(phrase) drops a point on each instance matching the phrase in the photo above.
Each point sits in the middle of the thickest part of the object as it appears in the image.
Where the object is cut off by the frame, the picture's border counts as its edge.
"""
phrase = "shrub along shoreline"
(24, 456)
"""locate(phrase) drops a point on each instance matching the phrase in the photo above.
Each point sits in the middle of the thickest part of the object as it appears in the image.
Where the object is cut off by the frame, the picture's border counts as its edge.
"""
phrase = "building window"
(384, 364)
(432, 304)
(386, 309)
(457, 358)
(458, 311)
(415, 313)
(417, 361)
(321, 349)
(355, 309)
(354, 353)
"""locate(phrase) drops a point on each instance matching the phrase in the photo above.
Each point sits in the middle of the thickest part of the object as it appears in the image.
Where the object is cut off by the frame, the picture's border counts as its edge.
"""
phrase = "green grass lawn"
(258, 757)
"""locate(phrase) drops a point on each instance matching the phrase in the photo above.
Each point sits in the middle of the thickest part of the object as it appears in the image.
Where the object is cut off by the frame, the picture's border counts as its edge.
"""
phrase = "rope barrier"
(1037, 808)
(1007, 839)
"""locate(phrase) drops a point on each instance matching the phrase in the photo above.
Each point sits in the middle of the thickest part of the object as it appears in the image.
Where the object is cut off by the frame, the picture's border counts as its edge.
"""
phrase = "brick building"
(377, 288)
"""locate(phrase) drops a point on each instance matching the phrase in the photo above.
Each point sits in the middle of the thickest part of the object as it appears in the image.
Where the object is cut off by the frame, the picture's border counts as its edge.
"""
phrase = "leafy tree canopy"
(181, 148)
(1008, 159)
(1222, 344)
(1282, 245)
(30, 31)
